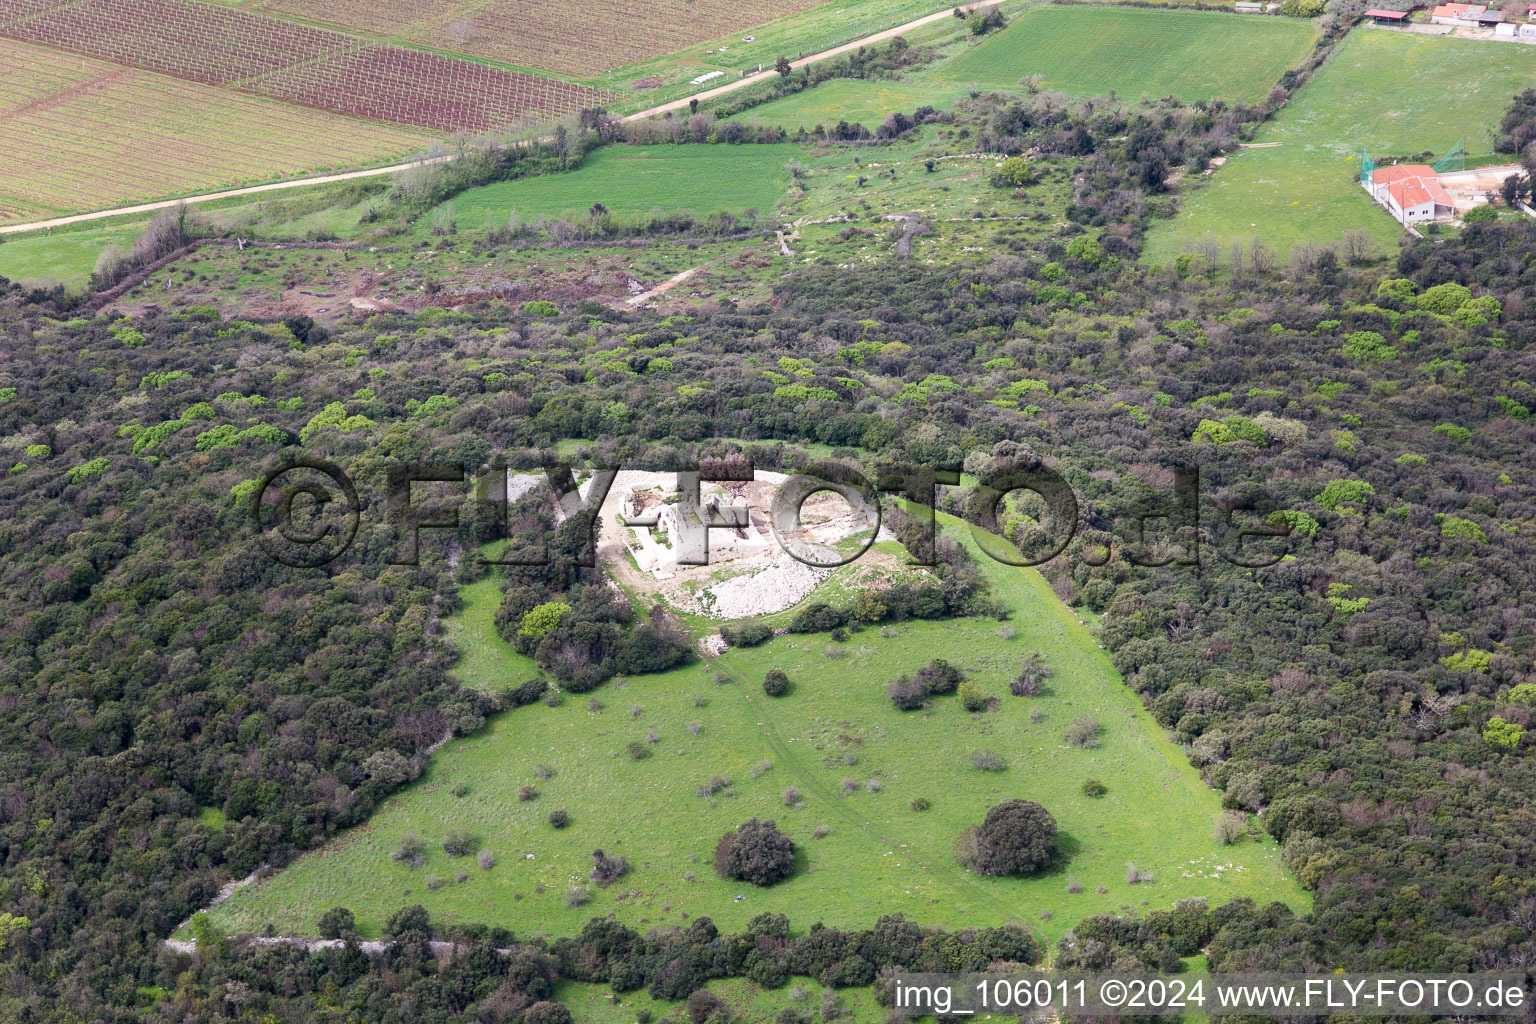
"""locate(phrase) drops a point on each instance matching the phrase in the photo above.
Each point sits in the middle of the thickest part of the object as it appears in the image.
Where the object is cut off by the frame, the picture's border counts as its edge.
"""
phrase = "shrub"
(559, 818)
(524, 694)
(411, 852)
(757, 852)
(907, 693)
(712, 785)
(527, 793)
(1134, 875)
(987, 761)
(1094, 788)
(1016, 837)
(1074, 886)
(459, 844)
(487, 860)
(336, 922)
(939, 676)
(546, 1012)
(791, 797)
(1480, 215)
(1032, 674)
(389, 767)
(1231, 827)
(637, 750)
(702, 1004)
(1083, 733)
(575, 896)
(461, 790)
(1013, 172)
(819, 617)
(775, 683)
(821, 831)
(605, 869)
(748, 634)
(971, 697)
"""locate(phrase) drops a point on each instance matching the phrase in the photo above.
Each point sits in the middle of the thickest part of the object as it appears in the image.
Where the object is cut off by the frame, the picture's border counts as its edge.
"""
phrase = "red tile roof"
(1412, 185)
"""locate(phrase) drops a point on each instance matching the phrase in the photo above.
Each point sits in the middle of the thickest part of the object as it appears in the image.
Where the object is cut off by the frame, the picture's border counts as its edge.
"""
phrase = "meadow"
(857, 763)
(1390, 93)
(855, 100)
(1095, 51)
(632, 180)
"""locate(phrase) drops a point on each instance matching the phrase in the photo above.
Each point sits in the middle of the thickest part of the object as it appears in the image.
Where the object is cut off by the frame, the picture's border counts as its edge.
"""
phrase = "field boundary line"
(678, 104)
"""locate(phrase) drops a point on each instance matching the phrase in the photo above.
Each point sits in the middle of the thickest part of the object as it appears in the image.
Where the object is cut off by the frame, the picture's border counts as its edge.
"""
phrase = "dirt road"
(680, 104)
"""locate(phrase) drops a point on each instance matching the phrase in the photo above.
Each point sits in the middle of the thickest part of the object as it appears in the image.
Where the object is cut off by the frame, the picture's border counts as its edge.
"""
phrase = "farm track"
(679, 104)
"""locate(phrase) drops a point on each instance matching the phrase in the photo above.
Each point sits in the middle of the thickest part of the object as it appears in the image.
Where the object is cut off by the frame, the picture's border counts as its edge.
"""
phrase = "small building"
(1505, 28)
(1381, 17)
(1410, 193)
(1456, 14)
(1526, 31)
(1489, 19)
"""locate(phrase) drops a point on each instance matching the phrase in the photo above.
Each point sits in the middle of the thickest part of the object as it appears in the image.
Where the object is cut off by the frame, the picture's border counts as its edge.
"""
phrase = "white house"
(1410, 193)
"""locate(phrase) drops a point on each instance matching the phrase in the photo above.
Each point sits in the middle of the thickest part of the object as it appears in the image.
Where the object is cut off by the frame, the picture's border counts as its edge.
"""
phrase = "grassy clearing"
(632, 180)
(857, 101)
(596, 1004)
(1093, 51)
(1391, 93)
(879, 856)
(65, 256)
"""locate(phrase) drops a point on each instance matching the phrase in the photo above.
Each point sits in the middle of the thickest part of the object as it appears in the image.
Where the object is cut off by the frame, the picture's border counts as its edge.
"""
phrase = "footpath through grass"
(1093, 51)
(878, 855)
(1390, 93)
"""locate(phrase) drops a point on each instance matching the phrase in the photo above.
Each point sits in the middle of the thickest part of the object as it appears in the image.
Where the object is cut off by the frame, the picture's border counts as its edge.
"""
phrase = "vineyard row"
(313, 67)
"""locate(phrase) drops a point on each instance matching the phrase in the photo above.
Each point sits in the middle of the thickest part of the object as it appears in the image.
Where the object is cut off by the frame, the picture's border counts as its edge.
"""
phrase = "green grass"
(855, 100)
(213, 817)
(632, 180)
(879, 857)
(1093, 51)
(596, 1004)
(1390, 93)
(66, 256)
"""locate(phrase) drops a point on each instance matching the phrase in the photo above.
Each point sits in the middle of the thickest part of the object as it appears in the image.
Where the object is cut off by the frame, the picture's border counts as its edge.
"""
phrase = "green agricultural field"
(632, 180)
(1093, 51)
(879, 855)
(855, 100)
(1390, 93)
